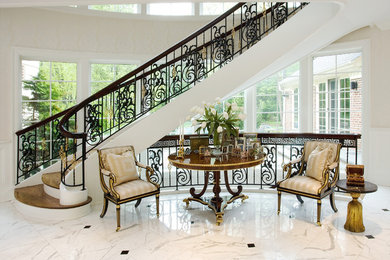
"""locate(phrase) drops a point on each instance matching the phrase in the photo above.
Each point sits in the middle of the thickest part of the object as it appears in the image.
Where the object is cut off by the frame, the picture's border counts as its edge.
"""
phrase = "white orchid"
(242, 116)
(209, 120)
(225, 115)
(218, 100)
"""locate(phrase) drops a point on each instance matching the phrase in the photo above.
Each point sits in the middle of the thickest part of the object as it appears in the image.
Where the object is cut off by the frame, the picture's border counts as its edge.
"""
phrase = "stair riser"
(55, 193)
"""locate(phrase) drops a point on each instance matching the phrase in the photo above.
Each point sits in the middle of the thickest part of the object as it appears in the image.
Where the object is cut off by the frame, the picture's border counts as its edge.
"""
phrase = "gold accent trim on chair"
(328, 184)
(110, 194)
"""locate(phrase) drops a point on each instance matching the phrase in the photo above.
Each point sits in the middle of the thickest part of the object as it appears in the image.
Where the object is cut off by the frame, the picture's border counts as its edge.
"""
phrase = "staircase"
(64, 141)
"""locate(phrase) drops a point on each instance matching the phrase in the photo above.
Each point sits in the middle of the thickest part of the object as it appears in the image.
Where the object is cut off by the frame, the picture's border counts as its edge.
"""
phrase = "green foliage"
(54, 87)
(215, 122)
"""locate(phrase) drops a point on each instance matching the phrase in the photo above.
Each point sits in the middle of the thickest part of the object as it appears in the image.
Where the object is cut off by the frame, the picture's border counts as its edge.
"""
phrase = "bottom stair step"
(36, 196)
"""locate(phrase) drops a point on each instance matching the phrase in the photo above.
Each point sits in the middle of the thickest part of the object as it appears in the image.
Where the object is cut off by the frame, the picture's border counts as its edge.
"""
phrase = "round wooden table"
(216, 165)
(354, 222)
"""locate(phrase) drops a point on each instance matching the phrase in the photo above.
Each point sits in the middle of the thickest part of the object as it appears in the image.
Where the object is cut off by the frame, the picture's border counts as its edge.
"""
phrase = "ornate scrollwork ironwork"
(240, 176)
(268, 168)
(155, 161)
(27, 148)
(183, 176)
(250, 33)
(125, 105)
(93, 120)
(279, 15)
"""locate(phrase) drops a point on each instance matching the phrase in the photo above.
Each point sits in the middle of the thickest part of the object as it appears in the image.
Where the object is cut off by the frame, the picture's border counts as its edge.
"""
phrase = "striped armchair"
(316, 175)
(120, 181)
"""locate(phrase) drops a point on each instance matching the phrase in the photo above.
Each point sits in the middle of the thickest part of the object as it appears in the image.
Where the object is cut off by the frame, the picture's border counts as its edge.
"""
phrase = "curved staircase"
(65, 140)
(42, 201)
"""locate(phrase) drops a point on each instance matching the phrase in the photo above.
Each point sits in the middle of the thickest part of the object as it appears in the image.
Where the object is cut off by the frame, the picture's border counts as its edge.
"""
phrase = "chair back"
(334, 154)
(114, 150)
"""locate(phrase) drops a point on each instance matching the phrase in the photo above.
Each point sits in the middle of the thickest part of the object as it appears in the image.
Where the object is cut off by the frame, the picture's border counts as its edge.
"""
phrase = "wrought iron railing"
(147, 88)
(279, 149)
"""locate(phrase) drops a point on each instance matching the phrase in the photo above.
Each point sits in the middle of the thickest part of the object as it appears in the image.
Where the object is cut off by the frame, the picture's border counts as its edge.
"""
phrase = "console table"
(215, 165)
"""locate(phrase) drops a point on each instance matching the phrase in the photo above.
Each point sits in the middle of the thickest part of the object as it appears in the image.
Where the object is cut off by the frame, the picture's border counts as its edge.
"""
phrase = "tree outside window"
(47, 89)
(277, 101)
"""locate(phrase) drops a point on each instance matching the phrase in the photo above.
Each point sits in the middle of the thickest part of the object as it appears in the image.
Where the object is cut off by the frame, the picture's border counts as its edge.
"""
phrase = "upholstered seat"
(318, 171)
(119, 166)
(302, 184)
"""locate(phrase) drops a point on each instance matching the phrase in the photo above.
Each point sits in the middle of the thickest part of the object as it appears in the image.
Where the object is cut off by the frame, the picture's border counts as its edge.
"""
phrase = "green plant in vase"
(208, 119)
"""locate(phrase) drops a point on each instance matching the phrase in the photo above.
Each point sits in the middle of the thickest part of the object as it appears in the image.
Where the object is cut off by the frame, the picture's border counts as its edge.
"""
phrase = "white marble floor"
(191, 233)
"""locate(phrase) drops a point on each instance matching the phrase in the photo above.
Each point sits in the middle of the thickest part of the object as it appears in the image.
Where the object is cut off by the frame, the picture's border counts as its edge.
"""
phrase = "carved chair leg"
(104, 210)
(279, 200)
(118, 217)
(319, 212)
(332, 202)
(138, 202)
(158, 204)
(300, 199)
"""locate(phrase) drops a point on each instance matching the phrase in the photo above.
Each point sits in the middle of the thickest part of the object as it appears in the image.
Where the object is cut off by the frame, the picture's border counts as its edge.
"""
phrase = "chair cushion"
(134, 188)
(302, 184)
(115, 150)
(318, 160)
(123, 167)
(312, 145)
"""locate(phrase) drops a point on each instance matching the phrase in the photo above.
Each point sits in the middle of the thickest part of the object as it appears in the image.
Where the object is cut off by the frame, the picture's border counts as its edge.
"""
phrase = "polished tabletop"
(367, 188)
(210, 163)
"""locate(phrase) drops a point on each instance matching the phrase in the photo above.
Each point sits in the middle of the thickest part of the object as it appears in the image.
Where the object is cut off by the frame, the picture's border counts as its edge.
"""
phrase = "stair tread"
(52, 179)
(36, 196)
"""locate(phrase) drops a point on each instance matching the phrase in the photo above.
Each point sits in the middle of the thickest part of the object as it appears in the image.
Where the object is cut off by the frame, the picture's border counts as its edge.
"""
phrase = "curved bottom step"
(33, 202)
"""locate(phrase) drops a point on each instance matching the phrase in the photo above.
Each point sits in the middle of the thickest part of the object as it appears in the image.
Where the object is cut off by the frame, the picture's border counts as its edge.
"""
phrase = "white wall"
(377, 120)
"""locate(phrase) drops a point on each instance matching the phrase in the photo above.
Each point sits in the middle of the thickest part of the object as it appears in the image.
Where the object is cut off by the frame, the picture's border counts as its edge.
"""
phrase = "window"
(128, 8)
(239, 99)
(171, 9)
(337, 106)
(47, 89)
(277, 102)
(215, 8)
(104, 74)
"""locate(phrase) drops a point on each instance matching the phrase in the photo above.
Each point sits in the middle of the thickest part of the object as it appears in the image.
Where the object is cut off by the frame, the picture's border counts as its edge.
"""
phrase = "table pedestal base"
(216, 202)
(219, 212)
(354, 221)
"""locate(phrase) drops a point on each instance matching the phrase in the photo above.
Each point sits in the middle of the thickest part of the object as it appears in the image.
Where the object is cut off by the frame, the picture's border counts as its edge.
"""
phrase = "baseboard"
(6, 194)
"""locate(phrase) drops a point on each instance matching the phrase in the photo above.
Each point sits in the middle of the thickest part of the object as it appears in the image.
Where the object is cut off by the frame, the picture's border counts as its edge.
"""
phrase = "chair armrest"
(106, 173)
(149, 172)
(288, 167)
(333, 165)
(141, 165)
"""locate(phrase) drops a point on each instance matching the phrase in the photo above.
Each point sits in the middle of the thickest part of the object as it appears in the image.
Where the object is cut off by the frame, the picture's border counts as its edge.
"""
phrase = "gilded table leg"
(354, 221)
(197, 196)
(279, 200)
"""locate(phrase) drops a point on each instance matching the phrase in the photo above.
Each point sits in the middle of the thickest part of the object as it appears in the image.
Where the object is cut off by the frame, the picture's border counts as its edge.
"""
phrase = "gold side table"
(354, 222)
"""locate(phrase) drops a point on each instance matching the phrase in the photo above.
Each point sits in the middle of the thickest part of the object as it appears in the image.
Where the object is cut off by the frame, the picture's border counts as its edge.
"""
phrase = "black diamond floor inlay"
(385, 209)
(370, 236)
(88, 226)
(192, 222)
(148, 206)
(124, 252)
(251, 245)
